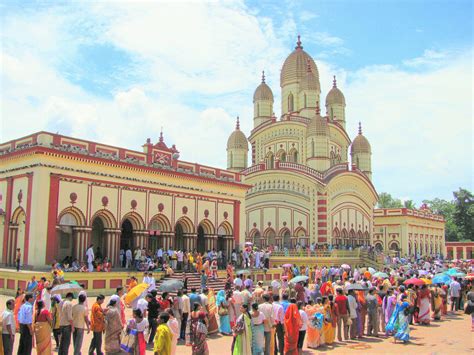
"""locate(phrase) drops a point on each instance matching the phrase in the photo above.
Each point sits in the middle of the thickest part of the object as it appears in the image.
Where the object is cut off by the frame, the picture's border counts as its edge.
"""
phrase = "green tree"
(409, 204)
(446, 209)
(387, 201)
(463, 214)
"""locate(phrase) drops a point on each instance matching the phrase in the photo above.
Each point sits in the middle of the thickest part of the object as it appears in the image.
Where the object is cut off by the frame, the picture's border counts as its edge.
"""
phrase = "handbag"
(128, 339)
(223, 311)
(469, 308)
(201, 328)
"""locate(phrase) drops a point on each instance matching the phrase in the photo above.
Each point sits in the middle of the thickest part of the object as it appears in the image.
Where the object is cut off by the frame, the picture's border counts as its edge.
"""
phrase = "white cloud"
(429, 58)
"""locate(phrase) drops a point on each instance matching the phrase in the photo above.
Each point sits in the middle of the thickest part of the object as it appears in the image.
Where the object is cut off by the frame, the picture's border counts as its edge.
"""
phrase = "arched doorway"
(378, 247)
(201, 240)
(179, 237)
(221, 242)
(66, 245)
(98, 238)
(126, 237)
(287, 239)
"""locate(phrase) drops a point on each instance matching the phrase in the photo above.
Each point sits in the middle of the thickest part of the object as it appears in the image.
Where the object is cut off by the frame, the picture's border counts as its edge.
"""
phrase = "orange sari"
(199, 263)
(313, 335)
(292, 329)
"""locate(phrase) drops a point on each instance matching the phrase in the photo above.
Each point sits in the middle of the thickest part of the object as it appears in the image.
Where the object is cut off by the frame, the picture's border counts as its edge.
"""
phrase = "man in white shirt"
(185, 314)
(303, 327)
(142, 304)
(238, 283)
(279, 319)
(454, 292)
(267, 309)
(180, 255)
(90, 257)
(128, 258)
(8, 328)
(138, 257)
(205, 300)
(352, 314)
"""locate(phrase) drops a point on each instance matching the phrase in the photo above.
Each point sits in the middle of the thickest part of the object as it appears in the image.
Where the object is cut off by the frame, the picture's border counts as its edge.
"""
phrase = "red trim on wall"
(98, 283)
(11, 284)
(322, 209)
(8, 216)
(322, 202)
(28, 219)
(237, 222)
(322, 216)
(51, 245)
(322, 232)
(322, 224)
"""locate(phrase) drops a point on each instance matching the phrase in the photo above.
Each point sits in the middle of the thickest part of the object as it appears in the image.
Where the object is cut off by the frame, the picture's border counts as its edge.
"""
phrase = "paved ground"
(450, 336)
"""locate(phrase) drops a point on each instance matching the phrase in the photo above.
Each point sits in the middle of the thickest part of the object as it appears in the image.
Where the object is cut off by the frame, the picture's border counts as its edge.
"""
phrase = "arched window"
(290, 103)
(293, 155)
(281, 155)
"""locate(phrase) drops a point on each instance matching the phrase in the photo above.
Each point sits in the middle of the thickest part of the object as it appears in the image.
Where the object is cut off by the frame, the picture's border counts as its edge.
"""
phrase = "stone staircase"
(194, 281)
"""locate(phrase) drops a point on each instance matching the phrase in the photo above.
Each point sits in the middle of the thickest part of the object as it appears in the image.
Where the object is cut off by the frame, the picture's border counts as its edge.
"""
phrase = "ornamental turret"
(237, 149)
(336, 105)
(361, 154)
(317, 142)
(309, 92)
(262, 103)
(293, 73)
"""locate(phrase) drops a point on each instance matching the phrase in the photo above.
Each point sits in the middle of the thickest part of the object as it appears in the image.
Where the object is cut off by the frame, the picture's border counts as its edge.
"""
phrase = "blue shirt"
(285, 304)
(194, 298)
(25, 315)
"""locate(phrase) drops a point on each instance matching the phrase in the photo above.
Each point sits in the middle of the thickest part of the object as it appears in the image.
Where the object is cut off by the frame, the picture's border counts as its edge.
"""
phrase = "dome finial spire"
(237, 124)
(298, 43)
(360, 128)
(318, 110)
(263, 76)
(161, 135)
(334, 83)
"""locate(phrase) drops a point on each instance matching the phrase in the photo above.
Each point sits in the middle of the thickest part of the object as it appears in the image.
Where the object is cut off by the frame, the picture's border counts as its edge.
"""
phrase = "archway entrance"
(201, 240)
(66, 247)
(287, 239)
(378, 247)
(126, 237)
(98, 238)
(179, 237)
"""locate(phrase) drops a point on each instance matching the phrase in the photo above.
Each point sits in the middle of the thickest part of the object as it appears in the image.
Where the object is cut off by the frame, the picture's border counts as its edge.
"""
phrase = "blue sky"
(119, 71)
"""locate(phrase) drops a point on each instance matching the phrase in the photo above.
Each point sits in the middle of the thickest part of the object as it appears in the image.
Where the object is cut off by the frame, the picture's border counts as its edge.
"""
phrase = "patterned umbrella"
(64, 289)
(300, 278)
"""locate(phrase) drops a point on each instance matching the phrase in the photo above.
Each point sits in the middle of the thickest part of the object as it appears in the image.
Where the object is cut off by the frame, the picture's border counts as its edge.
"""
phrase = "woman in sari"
(424, 305)
(113, 326)
(213, 326)
(173, 325)
(235, 301)
(436, 302)
(328, 329)
(230, 272)
(199, 263)
(207, 268)
(55, 316)
(444, 306)
(292, 329)
(388, 305)
(242, 343)
(198, 336)
(326, 288)
(138, 326)
(362, 315)
(313, 332)
(19, 300)
(43, 321)
(398, 323)
(223, 310)
(258, 330)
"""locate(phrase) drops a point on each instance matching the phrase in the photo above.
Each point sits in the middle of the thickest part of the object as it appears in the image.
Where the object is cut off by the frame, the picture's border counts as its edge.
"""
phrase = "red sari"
(292, 329)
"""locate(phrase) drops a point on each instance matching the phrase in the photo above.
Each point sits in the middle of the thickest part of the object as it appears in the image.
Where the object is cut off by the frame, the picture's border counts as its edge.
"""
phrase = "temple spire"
(334, 83)
(360, 128)
(263, 76)
(298, 43)
(161, 135)
(237, 124)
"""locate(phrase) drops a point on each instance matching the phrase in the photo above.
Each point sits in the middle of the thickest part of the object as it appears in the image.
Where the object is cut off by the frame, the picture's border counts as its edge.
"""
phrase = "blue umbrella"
(452, 271)
(442, 279)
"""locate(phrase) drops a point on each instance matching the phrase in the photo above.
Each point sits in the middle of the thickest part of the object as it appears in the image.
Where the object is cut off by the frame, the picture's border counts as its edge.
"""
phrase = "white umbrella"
(248, 243)
(64, 289)
(345, 266)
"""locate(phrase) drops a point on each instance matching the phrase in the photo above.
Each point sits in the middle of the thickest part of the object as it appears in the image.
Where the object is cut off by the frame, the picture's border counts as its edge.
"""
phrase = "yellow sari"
(43, 333)
(328, 329)
(313, 335)
(212, 327)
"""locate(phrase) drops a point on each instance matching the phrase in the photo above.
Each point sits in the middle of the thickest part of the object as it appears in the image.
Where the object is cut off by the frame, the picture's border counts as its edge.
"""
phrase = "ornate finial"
(318, 110)
(360, 128)
(237, 124)
(161, 135)
(334, 84)
(308, 65)
(298, 43)
(263, 76)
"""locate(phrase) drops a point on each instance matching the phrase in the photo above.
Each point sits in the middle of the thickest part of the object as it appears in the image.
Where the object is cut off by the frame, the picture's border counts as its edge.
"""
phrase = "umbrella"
(356, 287)
(414, 282)
(243, 271)
(452, 271)
(427, 281)
(345, 266)
(372, 270)
(382, 275)
(171, 285)
(458, 274)
(441, 279)
(248, 243)
(470, 276)
(300, 278)
(136, 292)
(287, 265)
(64, 289)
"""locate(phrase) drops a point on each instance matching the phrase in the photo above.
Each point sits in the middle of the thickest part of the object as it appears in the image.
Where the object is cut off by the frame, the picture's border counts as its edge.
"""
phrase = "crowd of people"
(312, 305)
